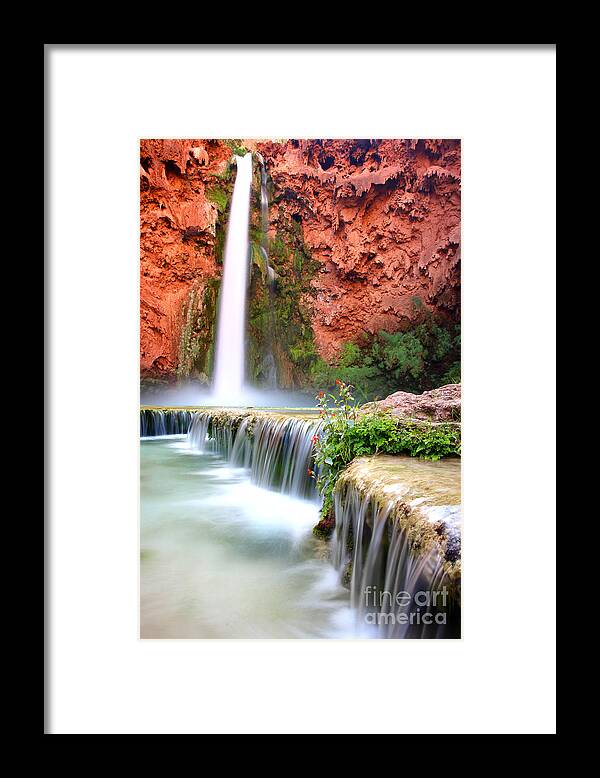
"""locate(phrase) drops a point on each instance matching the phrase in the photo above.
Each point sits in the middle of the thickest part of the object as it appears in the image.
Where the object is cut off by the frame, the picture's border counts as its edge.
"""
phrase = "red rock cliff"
(382, 217)
(177, 240)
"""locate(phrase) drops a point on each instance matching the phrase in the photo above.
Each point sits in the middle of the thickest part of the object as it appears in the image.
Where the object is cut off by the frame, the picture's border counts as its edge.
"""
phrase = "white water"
(264, 213)
(269, 367)
(222, 557)
(230, 356)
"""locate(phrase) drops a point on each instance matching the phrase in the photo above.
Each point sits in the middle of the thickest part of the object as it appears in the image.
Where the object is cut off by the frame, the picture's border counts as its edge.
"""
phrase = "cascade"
(386, 544)
(276, 449)
(154, 422)
(405, 587)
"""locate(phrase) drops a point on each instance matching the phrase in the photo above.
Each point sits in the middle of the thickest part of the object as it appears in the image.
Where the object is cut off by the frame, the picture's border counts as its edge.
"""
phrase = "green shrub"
(303, 351)
(346, 434)
(400, 354)
(452, 376)
(426, 356)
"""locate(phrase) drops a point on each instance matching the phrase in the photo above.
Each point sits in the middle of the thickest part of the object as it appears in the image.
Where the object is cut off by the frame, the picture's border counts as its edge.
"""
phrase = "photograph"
(303, 297)
(300, 419)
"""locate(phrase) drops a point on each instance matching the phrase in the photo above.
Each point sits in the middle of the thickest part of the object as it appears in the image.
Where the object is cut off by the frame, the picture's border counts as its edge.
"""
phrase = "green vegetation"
(424, 357)
(259, 259)
(279, 319)
(347, 434)
(218, 196)
(235, 144)
(295, 270)
(221, 224)
(303, 351)
(196, 344)
(226, 176)
(452, 375)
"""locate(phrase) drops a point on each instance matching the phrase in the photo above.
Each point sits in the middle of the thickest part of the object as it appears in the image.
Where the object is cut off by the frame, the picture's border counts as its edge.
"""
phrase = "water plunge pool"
(224, 558)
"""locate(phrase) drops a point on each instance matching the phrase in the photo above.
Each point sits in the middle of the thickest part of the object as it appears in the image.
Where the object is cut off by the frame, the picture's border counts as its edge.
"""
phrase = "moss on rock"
(196, 342)
(325, 527)
(279, 311)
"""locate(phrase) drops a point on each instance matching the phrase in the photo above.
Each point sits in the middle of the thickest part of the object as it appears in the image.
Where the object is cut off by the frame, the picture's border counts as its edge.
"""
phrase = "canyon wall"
(382, 219)
(364, 235)
(178, 248)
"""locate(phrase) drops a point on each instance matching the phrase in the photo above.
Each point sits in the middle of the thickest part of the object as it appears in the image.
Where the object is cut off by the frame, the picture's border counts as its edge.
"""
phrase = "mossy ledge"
(421, 498)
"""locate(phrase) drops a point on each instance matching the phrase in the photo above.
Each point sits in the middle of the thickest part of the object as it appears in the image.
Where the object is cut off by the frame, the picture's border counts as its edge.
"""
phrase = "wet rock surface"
(423, 497)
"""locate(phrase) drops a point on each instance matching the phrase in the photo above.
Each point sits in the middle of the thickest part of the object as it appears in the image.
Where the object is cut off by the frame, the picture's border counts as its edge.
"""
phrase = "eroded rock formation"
(382, 217)
(374, 226)
(178, 236)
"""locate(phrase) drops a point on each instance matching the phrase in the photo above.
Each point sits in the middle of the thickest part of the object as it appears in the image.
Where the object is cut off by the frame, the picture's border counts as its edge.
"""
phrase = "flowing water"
(155, 422)
(269, 366)
(230, 352)
(264, 217)
(227, 548)
(222, 557)
(403, 593)
(228, 505)
(277, 450)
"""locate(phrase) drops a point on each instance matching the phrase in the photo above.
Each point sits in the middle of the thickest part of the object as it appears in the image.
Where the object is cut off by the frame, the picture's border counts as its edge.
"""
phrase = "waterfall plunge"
(230, 357)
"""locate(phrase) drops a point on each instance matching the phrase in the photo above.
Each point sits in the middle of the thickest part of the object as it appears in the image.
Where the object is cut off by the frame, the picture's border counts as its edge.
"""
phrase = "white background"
(500, 677)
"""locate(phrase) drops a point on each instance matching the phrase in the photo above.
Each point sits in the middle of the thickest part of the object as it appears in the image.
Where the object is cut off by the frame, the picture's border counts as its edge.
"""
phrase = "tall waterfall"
(230, 357)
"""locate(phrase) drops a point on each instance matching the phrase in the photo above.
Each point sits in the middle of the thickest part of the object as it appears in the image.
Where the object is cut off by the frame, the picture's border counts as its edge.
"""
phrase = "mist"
(191, 395)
